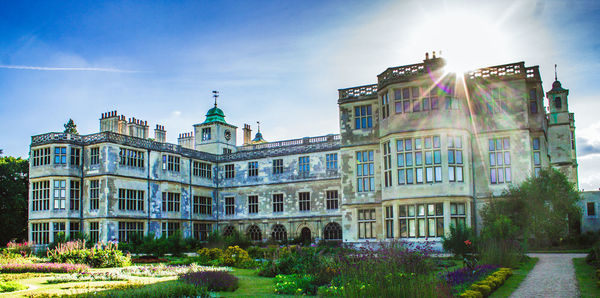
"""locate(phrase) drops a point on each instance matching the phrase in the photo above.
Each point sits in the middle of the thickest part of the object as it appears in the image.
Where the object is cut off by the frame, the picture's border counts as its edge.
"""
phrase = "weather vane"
(258, 123)
(215, 95)
(555, 75)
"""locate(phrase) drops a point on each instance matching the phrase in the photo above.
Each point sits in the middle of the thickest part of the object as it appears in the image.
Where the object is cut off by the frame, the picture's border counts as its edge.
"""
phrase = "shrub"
(43, 268)
(157, 290)
(148, 260)
(24, 249)
(237, 257)
(485, 287)
(212, 280)
(499, 244)
(290, 260)
(294, 284)
(7, 257)
(164, 270)
(593, 257)
(11, 286)
(458, 241)
(210, 253)
(256, 252)
(100, 256)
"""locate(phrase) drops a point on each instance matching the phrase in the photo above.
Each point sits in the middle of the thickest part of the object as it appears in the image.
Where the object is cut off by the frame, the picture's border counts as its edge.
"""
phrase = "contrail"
(25, 67)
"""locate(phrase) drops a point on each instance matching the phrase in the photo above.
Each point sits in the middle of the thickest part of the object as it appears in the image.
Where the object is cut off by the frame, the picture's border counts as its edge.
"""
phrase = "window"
(60, 194)
(331, 161)
(40, 233)
(206, 134)
(226, 151)
(171, 163)
(455, 159)
(402, 100)
(303, 165)
(41, 156)
(202, 205)
(457, 214)
(75, 195)
(229, 206)
(499, 160)
(533, 107)
(389, 221)
(201, 169)
(170, 227)
(385, 106)
(228, 231)
(421, 220)
(254, 233)
(201, 231)
(557, 102)
(94, 194)
(591, 209)
(253, 169)
(279, 233)
(129, 230)
(60, 155)
(94, 156)
(304, 201)
(332, 231)
(416, 103)
(496, 100)
(332, 200)
(40, 195)
(362, 117)
(59, 230)
(171, 202)
(252, 204)
(75, 157)
(94, 232)
(366, 224)
(365, 171)
(387, 164)
(132, 158)
(132, 200)
(74, 230)
(419, 160)
(277, 166)
(229, 171)
(278, 203)
(537, 162)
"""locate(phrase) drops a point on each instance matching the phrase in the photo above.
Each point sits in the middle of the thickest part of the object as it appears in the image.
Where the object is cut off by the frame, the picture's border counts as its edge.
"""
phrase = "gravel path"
(552, 276)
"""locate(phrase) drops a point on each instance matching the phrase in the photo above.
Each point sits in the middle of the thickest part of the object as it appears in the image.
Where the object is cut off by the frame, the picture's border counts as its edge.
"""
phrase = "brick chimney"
(160, 134)
(247, 134)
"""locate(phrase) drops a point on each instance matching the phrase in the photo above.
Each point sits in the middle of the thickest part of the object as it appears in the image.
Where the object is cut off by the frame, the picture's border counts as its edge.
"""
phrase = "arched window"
(332, 231)
(279, 233)
(228, 231)
(557, 102)
(254, 233)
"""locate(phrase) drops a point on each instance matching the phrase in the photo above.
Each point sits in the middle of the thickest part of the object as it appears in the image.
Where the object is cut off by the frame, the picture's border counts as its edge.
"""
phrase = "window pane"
(401, 177)
(459, 174)
(536, 158)
(458, 142)
(409, 176)
(438, 174)
(507, 158)
(436, 142)
(428, 143)
(493, 175)
(506, 143)
(536, 144)
(399, 146)
(459, 159)
(419, 175)
(429, 173)
(408, 144)
(437, 157)
(418, 158)
(418, 144)
(507, 175)
(499, 158)
(492, 146)
(428, 157)
(450, 173)
(450, 156)
(400, 160)
(409, 159)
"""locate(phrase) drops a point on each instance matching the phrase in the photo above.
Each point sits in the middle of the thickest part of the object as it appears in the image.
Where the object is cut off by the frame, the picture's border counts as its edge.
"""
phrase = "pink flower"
(468, 243)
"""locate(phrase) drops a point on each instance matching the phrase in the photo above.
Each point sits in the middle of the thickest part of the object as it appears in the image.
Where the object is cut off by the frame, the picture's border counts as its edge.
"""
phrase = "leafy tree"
(14, 178)
(543, 207)
(71, 128)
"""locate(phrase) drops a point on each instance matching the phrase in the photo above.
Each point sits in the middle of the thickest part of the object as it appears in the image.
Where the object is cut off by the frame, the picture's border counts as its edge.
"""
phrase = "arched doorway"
(305, 235)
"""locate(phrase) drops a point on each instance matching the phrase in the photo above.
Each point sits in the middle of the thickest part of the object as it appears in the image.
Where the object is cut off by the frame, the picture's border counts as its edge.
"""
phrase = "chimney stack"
(247, 134)
(160, 134)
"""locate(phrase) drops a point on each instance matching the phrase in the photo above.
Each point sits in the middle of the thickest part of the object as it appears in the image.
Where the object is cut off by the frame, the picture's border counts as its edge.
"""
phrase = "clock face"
(227, 134)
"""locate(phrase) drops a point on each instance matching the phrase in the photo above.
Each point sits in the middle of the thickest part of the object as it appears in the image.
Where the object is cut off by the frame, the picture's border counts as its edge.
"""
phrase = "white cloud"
(102, 69)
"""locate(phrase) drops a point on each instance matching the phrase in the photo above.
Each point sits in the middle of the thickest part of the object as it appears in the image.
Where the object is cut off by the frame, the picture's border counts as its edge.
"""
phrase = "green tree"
(70, 127)
(14, 179)
(543, 207)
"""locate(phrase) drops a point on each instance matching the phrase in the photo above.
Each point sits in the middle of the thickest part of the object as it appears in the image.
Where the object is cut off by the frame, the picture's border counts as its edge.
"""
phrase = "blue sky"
(278, 62)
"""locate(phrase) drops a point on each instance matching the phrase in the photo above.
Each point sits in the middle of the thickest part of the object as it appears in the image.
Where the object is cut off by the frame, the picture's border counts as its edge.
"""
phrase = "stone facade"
(418, 151)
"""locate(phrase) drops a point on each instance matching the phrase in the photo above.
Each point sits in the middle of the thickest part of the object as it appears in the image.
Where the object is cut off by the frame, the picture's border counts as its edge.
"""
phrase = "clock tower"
(215, 135)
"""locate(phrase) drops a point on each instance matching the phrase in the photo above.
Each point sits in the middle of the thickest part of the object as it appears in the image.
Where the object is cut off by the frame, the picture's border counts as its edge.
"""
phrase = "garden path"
(552, 276)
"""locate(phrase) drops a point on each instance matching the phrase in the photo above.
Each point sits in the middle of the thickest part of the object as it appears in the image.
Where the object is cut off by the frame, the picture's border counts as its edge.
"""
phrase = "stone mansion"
(418, 151)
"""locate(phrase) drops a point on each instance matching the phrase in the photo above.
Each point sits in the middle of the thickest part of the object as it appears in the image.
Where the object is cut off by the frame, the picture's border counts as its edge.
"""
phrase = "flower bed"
(43, 268)
(164, 270)
(212, 280)
(80, 277)
(461, 279)
(148, 260)
(11, 286)
(485, 287)
(100, 256)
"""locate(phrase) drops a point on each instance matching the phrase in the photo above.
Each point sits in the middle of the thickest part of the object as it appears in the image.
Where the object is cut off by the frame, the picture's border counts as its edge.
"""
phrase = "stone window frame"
(171, 202)
(75, 156)
(421, 220)
(60, 155)
(229, 205)
(59, 227)
(127, 230)
(363, 117)
(497, 156)
(536, 156)
(387, 164)
(201, 169)
(277, 166)
(253, 169)
(304, 165)
(458, 213)
(202, 205)
(279, 232)
(366, 223)
(331, 162)
(332, 199)
(95, 194)
(206, 134)
(40, 156)
(332, 231)
(94, 156)
(304, 201)
(40, 193)
(133, 158)
(201, 230)
(592, 209)
(74, 229)
(170, 227)
(74, 195)
(94, 228)
(389, 222)
(254, 233)
(455, 159)
(40, 232)
(385, 105)
(59, 194)
(171, 163)
(252, 204)
(131, 199)
(277, 203)
(365, 160)
(533, 105)
(229, 171)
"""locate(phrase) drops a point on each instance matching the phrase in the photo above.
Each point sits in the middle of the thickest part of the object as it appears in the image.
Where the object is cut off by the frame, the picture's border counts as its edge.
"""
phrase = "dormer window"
(557, 102)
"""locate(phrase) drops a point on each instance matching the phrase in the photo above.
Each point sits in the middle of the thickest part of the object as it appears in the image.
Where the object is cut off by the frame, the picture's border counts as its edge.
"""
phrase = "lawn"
(515, 280)
(586, 278)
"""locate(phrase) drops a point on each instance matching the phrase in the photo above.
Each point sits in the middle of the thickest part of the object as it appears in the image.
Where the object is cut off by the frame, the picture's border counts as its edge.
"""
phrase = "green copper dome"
(215, 115)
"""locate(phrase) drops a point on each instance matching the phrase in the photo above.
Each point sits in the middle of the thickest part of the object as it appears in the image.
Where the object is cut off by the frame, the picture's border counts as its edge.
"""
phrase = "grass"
(586, 278)
(515, 280)
(252, 285)
(560, 250)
